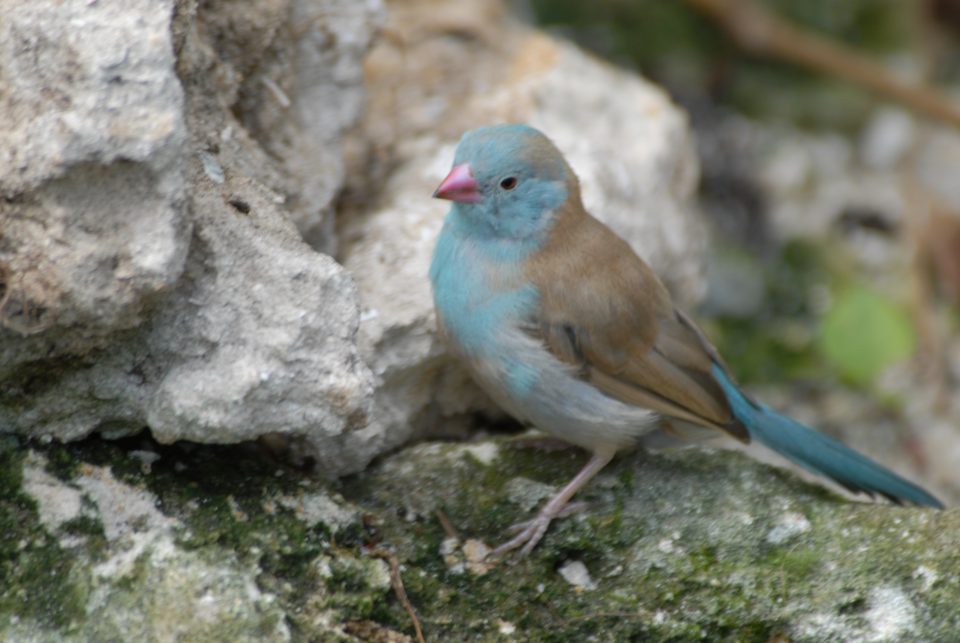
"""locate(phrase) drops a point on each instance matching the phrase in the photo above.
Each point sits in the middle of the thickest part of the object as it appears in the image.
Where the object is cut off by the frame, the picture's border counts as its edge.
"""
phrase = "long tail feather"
(819, 453)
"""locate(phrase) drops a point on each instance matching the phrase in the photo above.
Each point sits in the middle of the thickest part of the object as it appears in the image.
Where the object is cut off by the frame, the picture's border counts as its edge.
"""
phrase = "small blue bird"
(568, 329)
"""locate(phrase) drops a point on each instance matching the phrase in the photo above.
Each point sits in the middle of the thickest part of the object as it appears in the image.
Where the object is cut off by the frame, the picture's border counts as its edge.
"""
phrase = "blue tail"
(818, 453)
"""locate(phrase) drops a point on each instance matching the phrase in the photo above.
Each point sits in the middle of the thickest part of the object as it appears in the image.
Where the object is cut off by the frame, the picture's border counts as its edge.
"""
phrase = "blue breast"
(481, 301)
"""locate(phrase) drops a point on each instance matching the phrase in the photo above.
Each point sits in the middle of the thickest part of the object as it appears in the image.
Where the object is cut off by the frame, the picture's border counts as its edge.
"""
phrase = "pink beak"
(459, 186)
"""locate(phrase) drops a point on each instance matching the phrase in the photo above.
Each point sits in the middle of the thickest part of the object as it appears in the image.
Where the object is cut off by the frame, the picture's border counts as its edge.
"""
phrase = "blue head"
(507, 181)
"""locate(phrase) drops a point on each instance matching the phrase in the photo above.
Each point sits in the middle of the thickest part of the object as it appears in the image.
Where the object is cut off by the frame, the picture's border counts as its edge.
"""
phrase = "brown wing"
(603, 311)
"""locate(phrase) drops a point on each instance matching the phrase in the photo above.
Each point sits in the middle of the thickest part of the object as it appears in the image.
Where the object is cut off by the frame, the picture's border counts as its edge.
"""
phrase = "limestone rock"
(149, 267)
(300, 92)
(91, 135)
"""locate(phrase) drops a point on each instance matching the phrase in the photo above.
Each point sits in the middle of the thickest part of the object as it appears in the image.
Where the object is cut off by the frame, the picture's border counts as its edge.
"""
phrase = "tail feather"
(818, 452)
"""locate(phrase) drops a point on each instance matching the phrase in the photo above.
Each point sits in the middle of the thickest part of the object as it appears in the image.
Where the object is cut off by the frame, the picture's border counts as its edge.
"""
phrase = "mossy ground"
(35, 572)
(680, 546)
(233, 503)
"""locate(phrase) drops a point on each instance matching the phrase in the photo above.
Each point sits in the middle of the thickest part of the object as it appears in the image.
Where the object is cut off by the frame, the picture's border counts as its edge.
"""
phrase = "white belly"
(534, 386)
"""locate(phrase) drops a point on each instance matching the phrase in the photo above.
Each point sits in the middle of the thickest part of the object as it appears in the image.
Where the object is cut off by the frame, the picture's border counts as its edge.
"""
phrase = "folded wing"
(604, 312)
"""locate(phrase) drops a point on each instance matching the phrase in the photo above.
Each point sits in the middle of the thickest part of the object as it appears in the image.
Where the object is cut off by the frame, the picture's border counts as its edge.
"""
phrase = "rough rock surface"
(149, 269)
(301, 92)
(91, 140)
(145, 545)
(218, 544)
(633, 154)
(689, 545)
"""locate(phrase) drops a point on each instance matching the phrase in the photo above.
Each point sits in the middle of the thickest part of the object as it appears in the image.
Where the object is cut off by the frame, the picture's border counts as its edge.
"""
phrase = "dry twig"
(397, 583)
(759, 31)
(448, 527)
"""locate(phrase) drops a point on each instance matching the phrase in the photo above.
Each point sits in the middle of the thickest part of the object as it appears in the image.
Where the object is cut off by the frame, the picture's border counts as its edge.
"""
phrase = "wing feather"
(604, 312)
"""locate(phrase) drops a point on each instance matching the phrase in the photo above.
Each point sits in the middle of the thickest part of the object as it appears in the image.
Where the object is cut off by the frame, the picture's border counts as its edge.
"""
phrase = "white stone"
(788, 526)
(888, 136)
(319, 508)
(57, 502)
(577, 574)
(485, 453)
(891, 614)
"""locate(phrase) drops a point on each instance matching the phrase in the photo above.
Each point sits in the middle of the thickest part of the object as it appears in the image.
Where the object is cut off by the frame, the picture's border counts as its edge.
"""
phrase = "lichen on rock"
(224, 543)
(687, 545)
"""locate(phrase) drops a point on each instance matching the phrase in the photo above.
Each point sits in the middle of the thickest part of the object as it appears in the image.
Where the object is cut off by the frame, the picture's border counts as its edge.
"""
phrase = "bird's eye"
(509, 183)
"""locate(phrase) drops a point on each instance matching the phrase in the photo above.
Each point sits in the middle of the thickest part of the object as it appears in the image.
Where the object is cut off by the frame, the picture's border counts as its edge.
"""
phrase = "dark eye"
(509, 183)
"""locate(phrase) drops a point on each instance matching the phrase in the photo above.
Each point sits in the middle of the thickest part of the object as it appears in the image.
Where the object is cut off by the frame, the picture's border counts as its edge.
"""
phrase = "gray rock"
(887, 139)
(91, 138)
(303, 93)
(264, 338)
(150, 270)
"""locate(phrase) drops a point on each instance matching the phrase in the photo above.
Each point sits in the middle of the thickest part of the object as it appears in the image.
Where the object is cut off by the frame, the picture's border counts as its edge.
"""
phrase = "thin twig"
(759, 31)
(397, 583)
(448, 527)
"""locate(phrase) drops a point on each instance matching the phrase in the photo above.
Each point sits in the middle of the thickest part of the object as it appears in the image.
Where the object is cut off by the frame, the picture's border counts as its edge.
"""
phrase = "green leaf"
(863, 333)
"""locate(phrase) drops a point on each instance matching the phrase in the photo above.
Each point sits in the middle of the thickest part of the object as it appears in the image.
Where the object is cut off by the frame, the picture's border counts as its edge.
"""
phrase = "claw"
(530, 532)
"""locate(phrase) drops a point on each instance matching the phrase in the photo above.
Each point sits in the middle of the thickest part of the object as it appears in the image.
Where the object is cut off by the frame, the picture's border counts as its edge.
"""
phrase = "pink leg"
(534, 530)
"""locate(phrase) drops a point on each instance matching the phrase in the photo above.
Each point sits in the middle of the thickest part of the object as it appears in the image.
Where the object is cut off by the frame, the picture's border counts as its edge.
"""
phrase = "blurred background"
(830, 176)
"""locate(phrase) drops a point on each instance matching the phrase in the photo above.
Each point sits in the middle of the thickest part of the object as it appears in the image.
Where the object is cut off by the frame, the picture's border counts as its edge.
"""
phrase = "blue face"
(522, 178)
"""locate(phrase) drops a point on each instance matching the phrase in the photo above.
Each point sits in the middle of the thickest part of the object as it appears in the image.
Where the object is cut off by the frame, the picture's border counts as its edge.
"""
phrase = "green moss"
(795, 565)
(91, 529)
(62, 462)
(676, 545)
(33, 379)
(228, 499)
(37, 574)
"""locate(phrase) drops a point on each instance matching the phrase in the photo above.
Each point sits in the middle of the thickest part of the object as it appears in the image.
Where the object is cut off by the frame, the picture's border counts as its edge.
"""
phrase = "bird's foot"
(530, 532)
(568, 510)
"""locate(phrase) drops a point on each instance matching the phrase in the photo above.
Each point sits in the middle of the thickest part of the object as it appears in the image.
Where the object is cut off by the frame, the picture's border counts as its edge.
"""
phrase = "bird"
(568, 329)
